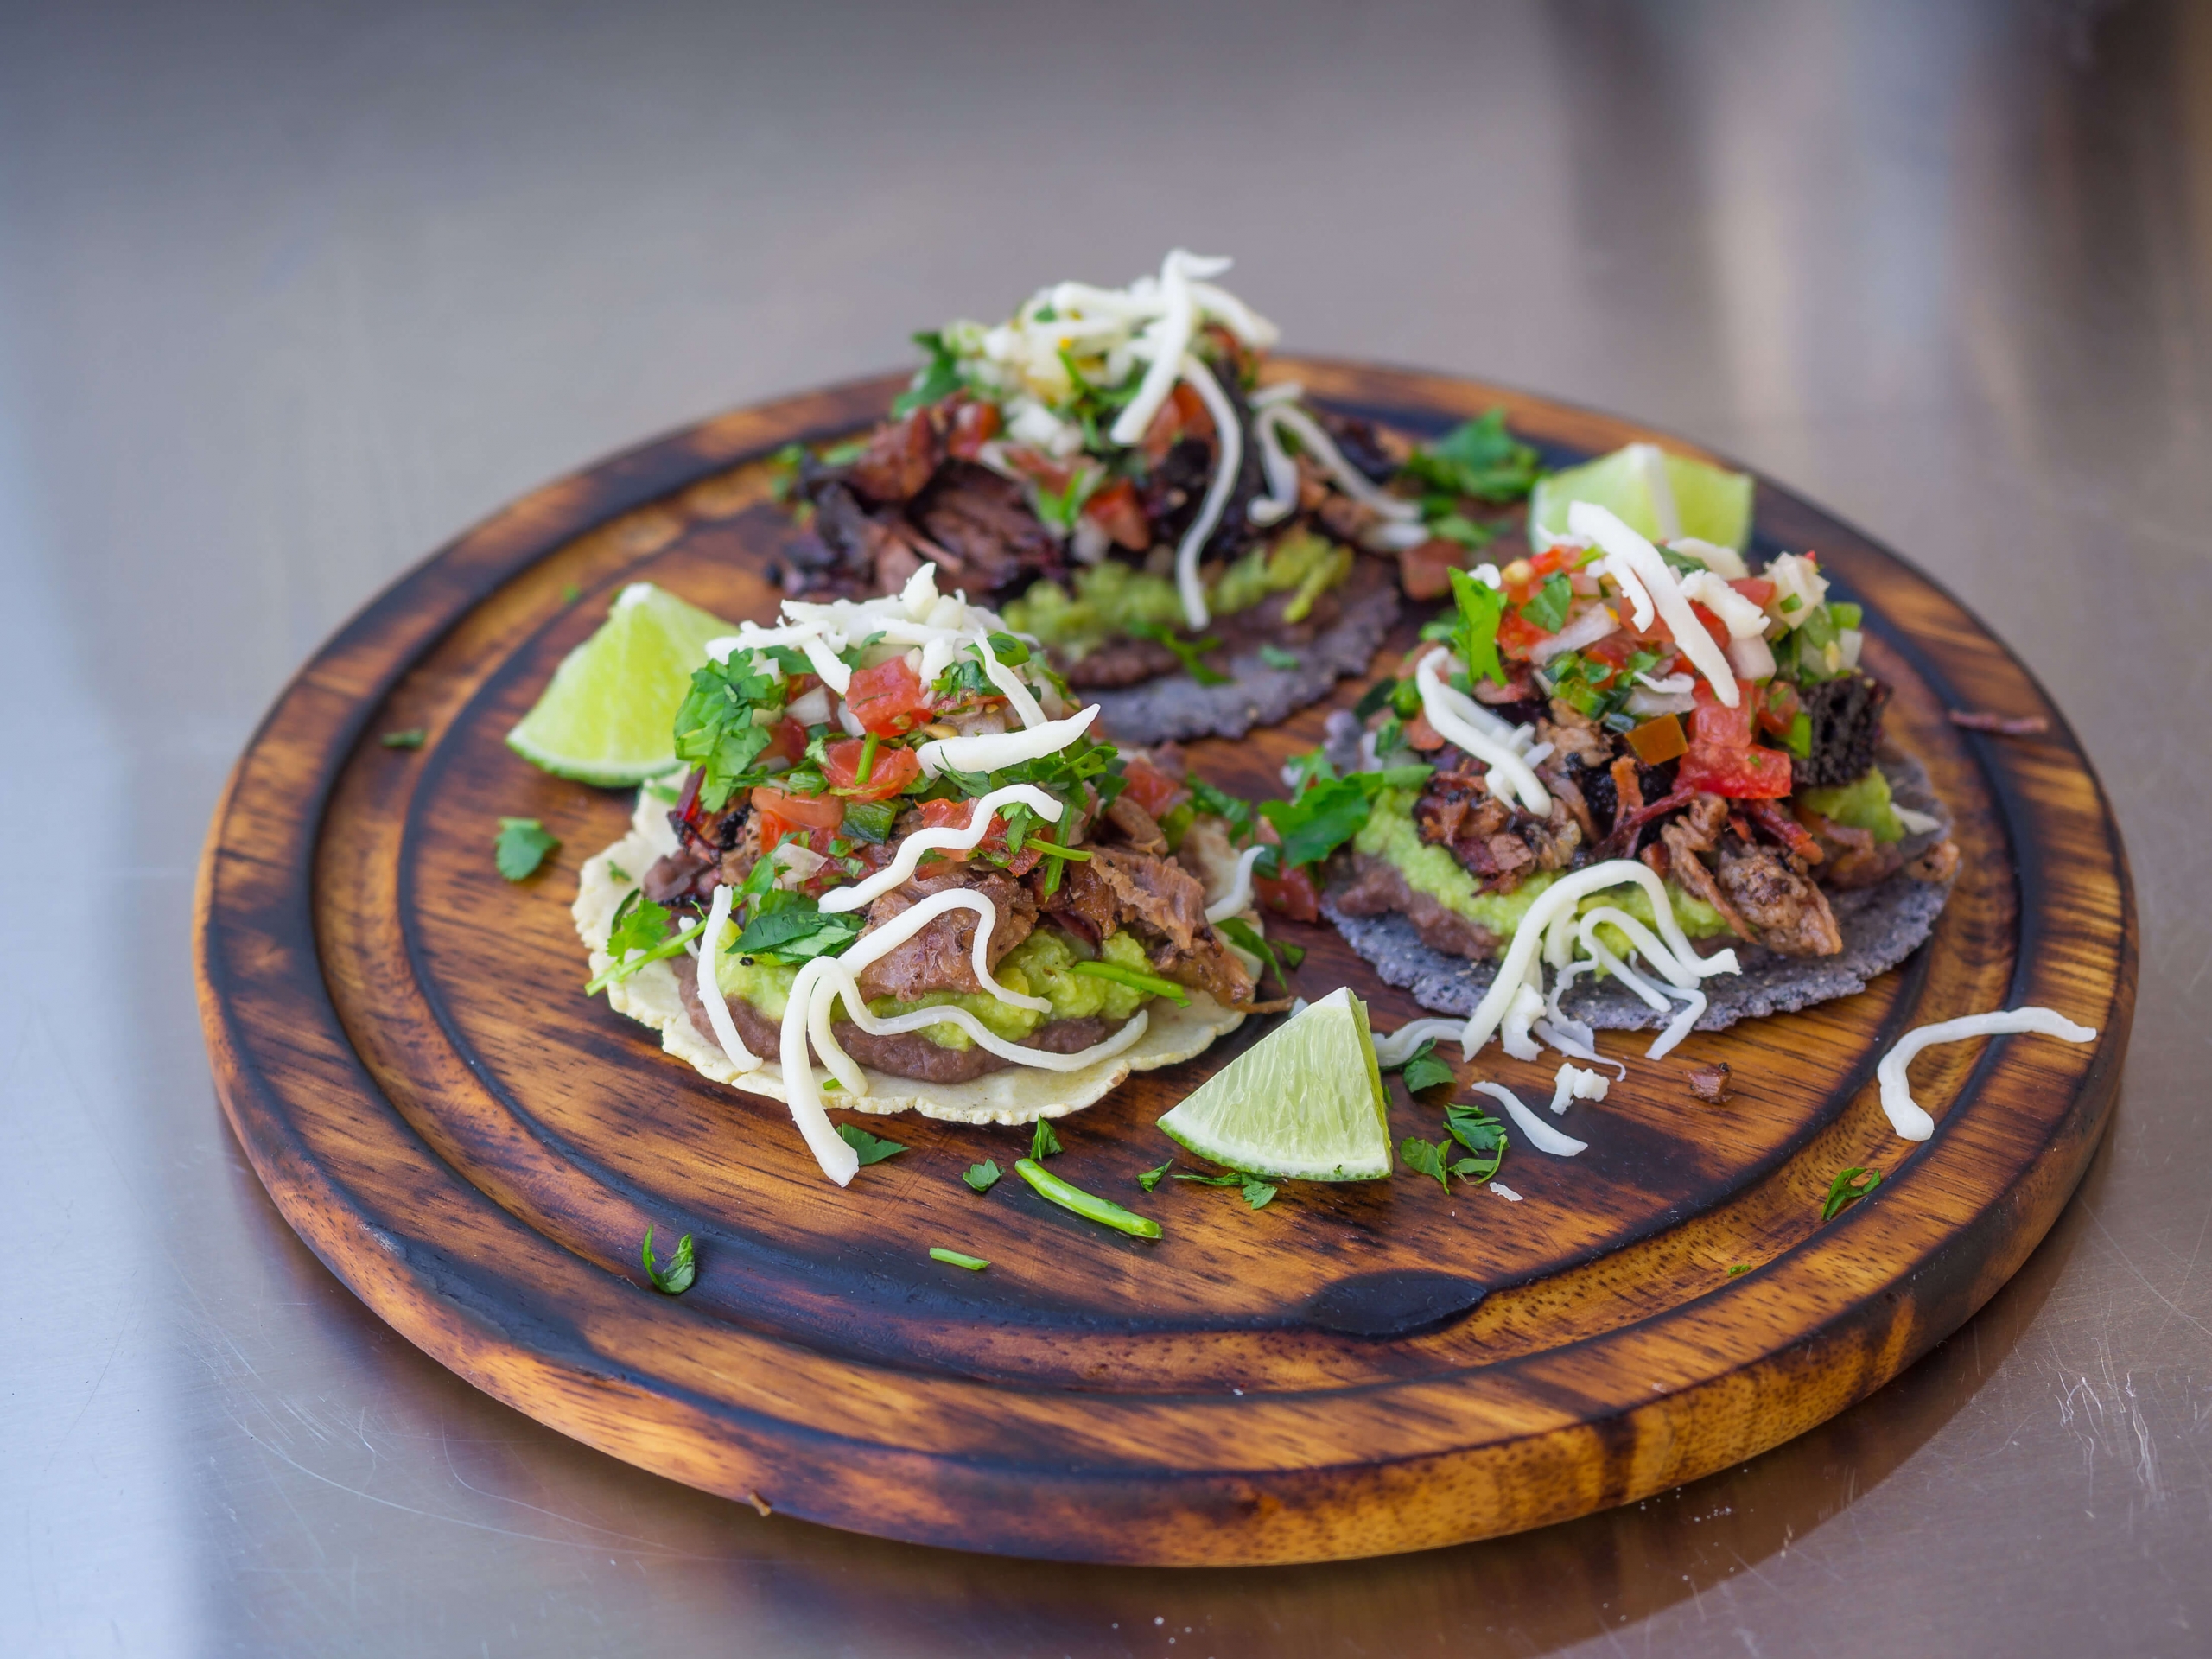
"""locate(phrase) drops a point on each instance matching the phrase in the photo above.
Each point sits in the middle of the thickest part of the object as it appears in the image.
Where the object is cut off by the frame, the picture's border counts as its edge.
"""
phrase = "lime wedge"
(1641, 483)
(1304, 1104)
(609, 716)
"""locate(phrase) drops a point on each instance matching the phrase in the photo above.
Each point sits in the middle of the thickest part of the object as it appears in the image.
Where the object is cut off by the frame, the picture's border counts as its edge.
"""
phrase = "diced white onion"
(949, 839)
(1628, 555)
(1586, 629)
(1238, 899)
(813, 708)
(1541, 1135)
(1906, 1115)
(1505, 1192)
(1752, 657)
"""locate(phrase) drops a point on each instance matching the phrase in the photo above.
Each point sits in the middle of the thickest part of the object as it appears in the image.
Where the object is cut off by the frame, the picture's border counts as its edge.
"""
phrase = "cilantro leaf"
(1849, 1187)
(1471, 628)
(1422, 1070)
(984, 1176)
(870, 821)
(1258, 1194)
(1278, 956)
(1187, 651)
(1150, 1178)
(520, 847)
(1478, 458)
(1044, 1143)
(1458, 527)
(1206, 798)
(1426, 1158)
(1480, 1134)
(795, 932)
(1740, 1269)
(714, 728)
(938, 378)
(1277, 657)
(1328, 810)
(1547, 606)
(683, 1267)
(638, 925)
(1375, 699)
(872, 1149)
(413, 738)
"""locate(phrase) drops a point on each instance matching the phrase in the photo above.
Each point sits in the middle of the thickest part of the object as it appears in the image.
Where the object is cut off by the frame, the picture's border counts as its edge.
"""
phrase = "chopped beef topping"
(1710, 1082)
(1500, 845)
(1791, 913)
(899, 458)
(987, 537)
(1852, 858)
(1699, 830)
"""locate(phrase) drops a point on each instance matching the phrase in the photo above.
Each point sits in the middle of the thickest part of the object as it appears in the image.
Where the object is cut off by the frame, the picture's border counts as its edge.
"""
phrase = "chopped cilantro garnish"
(872, 1148)
(1188, 652)
(1547, 606)
(983, 1177)
(1480, 1134)
(683, 1267)
(938, 378)
(1328, 810)
(715, 730)
(413, 738)
(1375, 699)
(1150, 1177)
(1849, 1187)
(1470, 627)
(1278, 956)
(870, 821)
(1478, 458)
(520, 847)
(1277, 657)
(1458, 527)
(1257, 1192)
(796, 931)
(1422, 1070)
(1043, 1143)
(1740, 1269)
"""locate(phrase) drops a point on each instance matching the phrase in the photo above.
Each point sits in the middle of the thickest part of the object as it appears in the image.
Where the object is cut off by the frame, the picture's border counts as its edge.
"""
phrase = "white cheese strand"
(1541, 1135)
(1743, 619)
(1649, 461)
(1559, 899)
(710, 989)
(995, 750)
(848, 991)
(1317, 442)
(1906, 1115)
(1225, 308)
(1453, 716)
(949, 839)
(1676, 973)
(1238, 899)
(1394, 1049)
(1007, 681)
(1282, 472)
(1229, 445)
(1573, 1083)
(1527, 1008)
(802, 1094)
(1631, 558)
(828, 666)
(1167, 338)
(1587, 629)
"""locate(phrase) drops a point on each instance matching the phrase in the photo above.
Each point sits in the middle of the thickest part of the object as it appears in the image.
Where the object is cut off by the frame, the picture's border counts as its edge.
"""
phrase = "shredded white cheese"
(1541, 1135)
(1238, 899)
(949, 839)
(1573, 1083)
(1396, 1048)
(994, 750)
(710, 989)
(1456, 718)
(1905, 1113)
(1638, 566)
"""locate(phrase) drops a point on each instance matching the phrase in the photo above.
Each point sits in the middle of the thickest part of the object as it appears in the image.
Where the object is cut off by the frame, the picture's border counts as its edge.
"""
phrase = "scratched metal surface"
(286, 298)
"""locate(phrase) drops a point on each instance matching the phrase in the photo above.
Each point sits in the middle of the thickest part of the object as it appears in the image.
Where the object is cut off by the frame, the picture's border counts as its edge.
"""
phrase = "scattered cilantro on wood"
(1257, 1192)
(1278, 956)
(1277, 657)
(1043, 1143)
(413, 738)
(984, 1176)
(520, 847)
(1422, 1070)
(683, 1267)
(872, 1148)
(1150, 1177)
(1740, 1269)
(1849, 1187)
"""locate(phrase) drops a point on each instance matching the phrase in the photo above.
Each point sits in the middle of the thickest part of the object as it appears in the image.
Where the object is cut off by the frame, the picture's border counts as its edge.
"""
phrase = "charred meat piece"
(1710, 1082)
(989, 535)
(1699, 830)
(1501, 845)
(900, 457)
(1136, 827)
(938, 957)
(1118, 662)
(1363, 444)
(1852, 858)
(1846, 716)
(1791, 914)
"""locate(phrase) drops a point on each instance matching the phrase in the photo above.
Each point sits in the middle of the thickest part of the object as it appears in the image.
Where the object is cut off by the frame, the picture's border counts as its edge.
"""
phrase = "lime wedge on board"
(1304, 1104)
(1711, 503)
(609, 715)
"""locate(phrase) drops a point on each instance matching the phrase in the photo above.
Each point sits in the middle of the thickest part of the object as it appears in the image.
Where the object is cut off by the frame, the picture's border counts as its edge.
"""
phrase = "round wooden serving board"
(402, 1044)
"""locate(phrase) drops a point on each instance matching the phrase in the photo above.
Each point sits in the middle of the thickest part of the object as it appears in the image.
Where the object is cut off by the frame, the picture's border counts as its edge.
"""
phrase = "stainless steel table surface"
(289, 295)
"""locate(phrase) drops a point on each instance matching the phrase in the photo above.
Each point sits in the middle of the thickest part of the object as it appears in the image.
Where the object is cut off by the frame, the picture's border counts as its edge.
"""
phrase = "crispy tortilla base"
(1019, 1095)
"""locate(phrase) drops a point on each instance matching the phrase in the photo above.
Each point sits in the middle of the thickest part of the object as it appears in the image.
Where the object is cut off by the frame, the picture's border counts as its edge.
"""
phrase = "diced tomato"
(1292, 895)
(814, 819)
(1660, 739)
(974, 425)
(958, 815)
(1712, 623)
(1424, 570)
(1517, 636)
(1778, 708)
(1422, 735)
(1116, 511)
(1049, 474)
(1714, 727)
(893, 769)
(788, 744)
(1757, 589)
(1544, 564)
(1741, 774)
(889, 699)
(1615, 649)
(1183, 415)
(1151, 788)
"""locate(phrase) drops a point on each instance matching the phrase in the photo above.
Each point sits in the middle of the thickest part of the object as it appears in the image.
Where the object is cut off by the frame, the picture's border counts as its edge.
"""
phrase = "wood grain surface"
(402, 1045)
